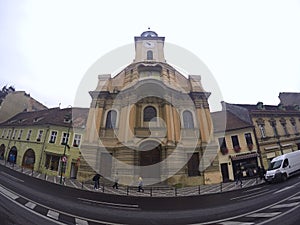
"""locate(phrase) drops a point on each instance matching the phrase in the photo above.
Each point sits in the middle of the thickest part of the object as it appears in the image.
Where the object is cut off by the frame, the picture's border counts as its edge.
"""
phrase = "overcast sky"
(252, 48)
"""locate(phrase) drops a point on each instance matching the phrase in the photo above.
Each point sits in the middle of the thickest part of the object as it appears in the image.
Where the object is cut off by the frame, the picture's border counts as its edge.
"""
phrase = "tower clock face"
(149, 44)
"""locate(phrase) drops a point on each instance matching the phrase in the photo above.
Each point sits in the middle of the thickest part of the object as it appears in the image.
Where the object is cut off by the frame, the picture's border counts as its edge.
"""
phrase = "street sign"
(64, 159)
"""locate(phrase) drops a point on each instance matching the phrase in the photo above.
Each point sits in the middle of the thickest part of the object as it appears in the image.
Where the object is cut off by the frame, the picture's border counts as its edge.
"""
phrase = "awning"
(244, 156)
(271, 147)
(287, 145)
(53, 152)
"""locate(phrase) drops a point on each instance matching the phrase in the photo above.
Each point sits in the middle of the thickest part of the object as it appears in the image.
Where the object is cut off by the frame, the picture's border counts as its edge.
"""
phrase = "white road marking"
(285, 205)
(283, 189)
(53, 214)
(111, 204)
(30, 205)
(251, 194)
(73, 184)
(8, 193)
(81, 222)
(254, 189)
(12, 177)
(265, 215)
(236, 223)
(295, 198)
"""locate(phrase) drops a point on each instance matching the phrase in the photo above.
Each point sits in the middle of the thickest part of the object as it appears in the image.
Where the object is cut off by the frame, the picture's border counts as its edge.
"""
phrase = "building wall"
(231, 156)
(42, 147)
(16, 102)
(272, 145)
(131, 132)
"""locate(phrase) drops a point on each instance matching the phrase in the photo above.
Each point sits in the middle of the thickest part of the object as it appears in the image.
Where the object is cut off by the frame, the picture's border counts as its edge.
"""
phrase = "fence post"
(151, 191)
(199, 189)
(221, 186)
(175, 191)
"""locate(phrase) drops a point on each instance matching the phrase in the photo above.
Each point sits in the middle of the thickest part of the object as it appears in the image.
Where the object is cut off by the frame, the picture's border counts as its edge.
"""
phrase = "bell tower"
(149, 47)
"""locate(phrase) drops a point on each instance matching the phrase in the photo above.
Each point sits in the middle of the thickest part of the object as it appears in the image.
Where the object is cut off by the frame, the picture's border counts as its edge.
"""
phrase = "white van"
(283, 166)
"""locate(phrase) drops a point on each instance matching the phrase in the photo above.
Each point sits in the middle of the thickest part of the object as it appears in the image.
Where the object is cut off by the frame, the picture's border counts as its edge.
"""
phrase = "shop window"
(52, 162)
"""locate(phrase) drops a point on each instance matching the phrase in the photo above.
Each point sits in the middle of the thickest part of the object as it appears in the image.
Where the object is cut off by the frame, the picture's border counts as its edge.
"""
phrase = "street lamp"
(68, 118)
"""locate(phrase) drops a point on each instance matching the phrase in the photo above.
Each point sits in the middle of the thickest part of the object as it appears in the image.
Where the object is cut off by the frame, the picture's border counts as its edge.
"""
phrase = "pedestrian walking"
(239, 177)
(96, 180)
(116, 182)
(140, 185)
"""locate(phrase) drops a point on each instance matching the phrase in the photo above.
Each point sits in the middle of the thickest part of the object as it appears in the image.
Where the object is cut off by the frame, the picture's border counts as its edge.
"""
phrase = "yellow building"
(150, 120)
(17, 101)
(276, 127)
(46, 141)
(237, 146)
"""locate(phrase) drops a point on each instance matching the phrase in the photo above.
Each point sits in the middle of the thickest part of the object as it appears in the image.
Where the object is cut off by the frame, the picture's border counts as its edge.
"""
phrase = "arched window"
(149, 55)
(188, 121)
(111, 119)
(149, 114)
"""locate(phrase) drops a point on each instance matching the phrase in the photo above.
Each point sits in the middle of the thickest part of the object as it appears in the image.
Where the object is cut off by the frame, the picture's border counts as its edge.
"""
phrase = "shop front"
(246, 163)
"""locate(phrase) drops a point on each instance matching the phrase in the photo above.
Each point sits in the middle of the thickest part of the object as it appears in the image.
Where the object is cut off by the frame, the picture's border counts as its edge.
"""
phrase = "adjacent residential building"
(289, 99)
(15, 102)
(47, 140)
(238, 149)
(277, 128)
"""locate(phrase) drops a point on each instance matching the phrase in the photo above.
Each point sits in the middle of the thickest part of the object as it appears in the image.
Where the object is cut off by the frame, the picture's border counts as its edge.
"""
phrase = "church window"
(111, 119)
(188, 121)
(149, 114)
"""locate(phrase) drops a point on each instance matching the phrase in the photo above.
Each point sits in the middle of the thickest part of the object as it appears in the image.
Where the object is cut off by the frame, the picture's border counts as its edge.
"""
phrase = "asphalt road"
(262, 204)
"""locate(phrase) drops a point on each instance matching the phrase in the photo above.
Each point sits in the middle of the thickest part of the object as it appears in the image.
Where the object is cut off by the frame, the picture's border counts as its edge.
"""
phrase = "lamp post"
(67, 118)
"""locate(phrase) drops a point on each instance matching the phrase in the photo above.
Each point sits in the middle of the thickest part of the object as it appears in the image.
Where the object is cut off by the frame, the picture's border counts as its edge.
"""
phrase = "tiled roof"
(53, 116)
(260, 107)
(225, 120)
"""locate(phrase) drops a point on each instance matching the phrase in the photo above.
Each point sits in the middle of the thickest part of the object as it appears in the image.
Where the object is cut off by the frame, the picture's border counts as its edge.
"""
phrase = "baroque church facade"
(150, 120)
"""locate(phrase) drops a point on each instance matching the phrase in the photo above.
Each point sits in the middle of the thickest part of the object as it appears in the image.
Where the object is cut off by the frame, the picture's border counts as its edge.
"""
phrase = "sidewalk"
(132, 191)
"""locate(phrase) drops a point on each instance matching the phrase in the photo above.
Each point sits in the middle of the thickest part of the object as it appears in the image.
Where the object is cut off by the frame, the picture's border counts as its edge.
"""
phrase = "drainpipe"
(43, 149)
(258, 148)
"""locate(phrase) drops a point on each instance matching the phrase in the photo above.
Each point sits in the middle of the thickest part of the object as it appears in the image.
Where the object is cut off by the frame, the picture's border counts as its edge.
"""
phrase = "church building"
(150, 120)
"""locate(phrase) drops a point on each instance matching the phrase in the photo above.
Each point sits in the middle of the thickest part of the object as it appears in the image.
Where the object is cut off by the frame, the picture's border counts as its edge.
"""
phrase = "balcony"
(108, 132)
(155, 132)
